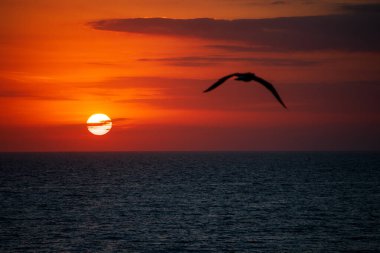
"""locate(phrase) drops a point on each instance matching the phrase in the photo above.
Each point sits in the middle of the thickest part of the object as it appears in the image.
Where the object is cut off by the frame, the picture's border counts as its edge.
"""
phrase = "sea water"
(190, 202)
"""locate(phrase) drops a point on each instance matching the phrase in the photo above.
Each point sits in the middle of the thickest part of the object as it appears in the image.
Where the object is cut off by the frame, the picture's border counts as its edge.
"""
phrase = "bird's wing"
(271, 88)
(219, 82)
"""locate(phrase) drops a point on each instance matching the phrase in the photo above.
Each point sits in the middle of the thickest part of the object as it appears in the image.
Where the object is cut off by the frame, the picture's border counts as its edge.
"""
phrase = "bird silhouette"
(247, 77)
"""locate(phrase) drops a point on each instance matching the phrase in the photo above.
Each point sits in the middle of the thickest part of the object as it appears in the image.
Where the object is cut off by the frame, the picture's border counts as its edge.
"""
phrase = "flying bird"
(247, 77)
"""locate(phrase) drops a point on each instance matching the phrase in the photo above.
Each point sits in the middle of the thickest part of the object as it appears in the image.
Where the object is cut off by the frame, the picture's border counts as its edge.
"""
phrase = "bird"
(247, 77)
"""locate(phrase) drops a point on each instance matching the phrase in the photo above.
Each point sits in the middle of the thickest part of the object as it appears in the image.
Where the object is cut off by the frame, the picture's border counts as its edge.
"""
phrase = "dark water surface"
(190, 202)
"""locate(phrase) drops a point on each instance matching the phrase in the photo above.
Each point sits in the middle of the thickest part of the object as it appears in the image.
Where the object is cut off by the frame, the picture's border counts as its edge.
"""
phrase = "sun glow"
(99, 124)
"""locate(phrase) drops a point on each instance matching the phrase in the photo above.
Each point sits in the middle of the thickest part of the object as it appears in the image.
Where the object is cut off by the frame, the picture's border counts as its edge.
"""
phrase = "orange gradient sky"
(62, 61)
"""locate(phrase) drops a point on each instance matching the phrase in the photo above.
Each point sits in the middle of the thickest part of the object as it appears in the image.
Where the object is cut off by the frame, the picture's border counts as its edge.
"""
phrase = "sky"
(145, 63)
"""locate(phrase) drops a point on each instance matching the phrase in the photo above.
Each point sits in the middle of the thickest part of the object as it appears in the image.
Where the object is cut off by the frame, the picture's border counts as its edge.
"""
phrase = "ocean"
(190, 202)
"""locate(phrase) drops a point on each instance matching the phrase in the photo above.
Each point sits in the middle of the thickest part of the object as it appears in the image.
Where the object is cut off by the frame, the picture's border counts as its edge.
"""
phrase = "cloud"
(234, 48)
(101, 123)
(266, 2)
(201, 61)
(30, 95)
(147, 83)
(360, 8)
(120, 119)
(278, 2)
(353, 31)
(16, 89)
(338, 98)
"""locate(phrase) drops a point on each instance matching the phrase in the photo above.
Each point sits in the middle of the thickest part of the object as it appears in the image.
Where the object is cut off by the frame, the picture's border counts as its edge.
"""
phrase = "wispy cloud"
(360, 8)
(278, 2)
(235, 48)
(199, 61)
(186, 94)
(266, 2)
(352, 31)
(100, 123)
(16, 89)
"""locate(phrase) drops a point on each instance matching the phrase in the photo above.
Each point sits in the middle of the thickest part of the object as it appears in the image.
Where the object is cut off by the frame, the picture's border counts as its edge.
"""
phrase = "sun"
(99, 124)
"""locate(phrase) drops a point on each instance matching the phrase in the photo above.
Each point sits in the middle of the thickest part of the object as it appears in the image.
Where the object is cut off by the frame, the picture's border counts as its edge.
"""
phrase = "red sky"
(145, 64)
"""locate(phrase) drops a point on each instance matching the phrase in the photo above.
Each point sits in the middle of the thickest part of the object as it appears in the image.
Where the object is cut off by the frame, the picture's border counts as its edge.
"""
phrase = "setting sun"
(99, 124)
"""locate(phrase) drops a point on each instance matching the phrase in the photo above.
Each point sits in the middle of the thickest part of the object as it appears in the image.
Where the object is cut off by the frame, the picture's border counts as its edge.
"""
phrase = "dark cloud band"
(354, 31)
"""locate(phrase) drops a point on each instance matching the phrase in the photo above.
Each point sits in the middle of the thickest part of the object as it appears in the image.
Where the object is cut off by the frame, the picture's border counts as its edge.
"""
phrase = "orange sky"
(62, 61)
